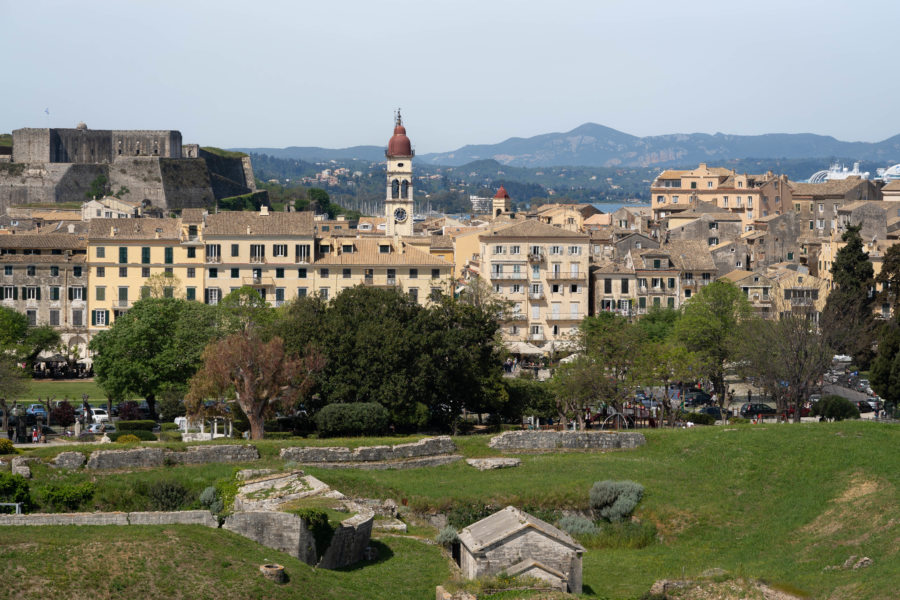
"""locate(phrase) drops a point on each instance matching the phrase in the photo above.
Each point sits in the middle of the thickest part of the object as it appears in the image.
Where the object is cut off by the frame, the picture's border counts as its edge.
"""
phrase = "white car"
(100, 428)
(99, 415)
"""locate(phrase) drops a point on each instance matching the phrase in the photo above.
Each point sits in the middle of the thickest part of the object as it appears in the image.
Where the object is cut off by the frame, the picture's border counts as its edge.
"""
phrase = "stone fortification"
(187, 517)
(276, 530)
(349, 542)
(92, 146)
(157, 457)
(566, 440)
(428, 447)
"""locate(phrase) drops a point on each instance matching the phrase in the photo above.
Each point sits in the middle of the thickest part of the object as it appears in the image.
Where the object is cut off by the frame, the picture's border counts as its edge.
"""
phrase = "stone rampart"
(182, 517)
(198, 455)
(566, 440)
(349, 542)
(126, 459)
(157, 457)
(427, 447)
(279, 531)
(185, 517)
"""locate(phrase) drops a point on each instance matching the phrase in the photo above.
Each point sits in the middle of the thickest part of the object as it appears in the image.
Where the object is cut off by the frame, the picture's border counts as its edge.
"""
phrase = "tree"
(243, 309)
(99, 187)
(889, 277)
(710, 326)
(885, 372)
(320, 202)
(788, 355)
(162, 285)
(847, 319)
(614, 344)
(578, 385)
(658, 323)
(158, 341)
(262, 377)
(13, 382)
(21, 341)
(666, 361)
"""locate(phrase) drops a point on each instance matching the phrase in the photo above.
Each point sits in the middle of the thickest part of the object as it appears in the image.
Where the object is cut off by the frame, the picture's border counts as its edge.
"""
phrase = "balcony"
(801, 302)
(515, 317)
(257, 259)
(122, 303)
(532, 295)
(562, 275)
(565, 316)
(391, 281)
(536, 337)
(214, 259)
(519, 276)
(536, 257)
(262, 281)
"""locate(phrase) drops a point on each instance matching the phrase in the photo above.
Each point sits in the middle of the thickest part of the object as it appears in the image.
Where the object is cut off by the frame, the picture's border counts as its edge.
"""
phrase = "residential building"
(110, 207)
(797, 292)
(615, 288)
(759, 290)
(817, 204)
(570, 217)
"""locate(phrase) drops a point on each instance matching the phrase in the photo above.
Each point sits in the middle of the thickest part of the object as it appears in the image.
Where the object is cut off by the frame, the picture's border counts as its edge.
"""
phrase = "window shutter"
(145, 255)
(93, 317)
(84, 293)
(206, 296)
(106, 317)
(169, 256)
(15, 293)
(71, 294)
(37, 293)
(24, 292)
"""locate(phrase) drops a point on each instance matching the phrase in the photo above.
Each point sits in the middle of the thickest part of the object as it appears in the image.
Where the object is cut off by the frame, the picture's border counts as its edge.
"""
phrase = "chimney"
(71, 228)
(264, 211)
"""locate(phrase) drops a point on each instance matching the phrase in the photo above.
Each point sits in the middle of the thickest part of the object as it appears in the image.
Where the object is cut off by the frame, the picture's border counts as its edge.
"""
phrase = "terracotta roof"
(613, 267)
(255, 224)
(51, 241)
(736, 275)
(135, 229)
(192, 216)
(533, 229)
(893, 186)
(507, 523)
(366, 252)
(599, 219)
(672, 174)
(399, 144)
(441, 242)
(53, 259)
(501, 193)
(690, 255)
(828, 188)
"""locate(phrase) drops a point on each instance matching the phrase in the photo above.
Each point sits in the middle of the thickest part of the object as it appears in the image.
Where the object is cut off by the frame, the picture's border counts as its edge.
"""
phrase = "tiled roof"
(135, 229)
(690, 255)
(192, 216)
(507, 523)
(599, 219)
(366, 252)
(255, 224)
(828, 188)
(532, 228)
(613, 267)
(736, 275)
(50, 241)
(441, 242)
(53, 259)
(893, 186)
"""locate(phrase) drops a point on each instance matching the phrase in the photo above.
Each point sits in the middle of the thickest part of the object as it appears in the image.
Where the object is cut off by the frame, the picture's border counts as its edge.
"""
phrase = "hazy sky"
(331, 73)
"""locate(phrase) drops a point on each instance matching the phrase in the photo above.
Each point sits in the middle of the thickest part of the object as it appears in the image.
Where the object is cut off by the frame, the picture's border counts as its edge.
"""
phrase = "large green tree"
(158, 341)
(22, 342)
(710, 326)
(847, 320)
(885, 372)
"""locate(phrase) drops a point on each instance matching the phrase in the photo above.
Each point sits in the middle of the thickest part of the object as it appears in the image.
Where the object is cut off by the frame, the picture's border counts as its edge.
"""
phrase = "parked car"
(100, 429)
(37, 410)
(697, 398)
(863, 406)
(96, 415)
(749, 411)
(876, 403)
(715, 412)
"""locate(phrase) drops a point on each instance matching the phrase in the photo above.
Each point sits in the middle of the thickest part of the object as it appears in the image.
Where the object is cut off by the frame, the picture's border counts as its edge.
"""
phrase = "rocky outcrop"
(566, 440)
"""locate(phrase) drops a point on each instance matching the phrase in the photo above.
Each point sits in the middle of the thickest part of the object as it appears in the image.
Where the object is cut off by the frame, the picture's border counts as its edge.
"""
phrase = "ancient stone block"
(486, 464)
(69, 460)
(126, 459)
(566, 440)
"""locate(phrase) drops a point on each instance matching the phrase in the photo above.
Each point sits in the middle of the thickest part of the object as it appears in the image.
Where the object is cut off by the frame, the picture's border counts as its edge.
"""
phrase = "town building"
(817, 204)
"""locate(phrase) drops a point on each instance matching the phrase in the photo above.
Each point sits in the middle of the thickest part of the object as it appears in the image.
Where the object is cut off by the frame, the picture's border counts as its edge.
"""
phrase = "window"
(9, 292)
(123, 254)
(98, 317)
(101, 252)
(54, 318)
(607, 286)
(706, 278)
(235, 250)
(657, 263)
(301, 273)
(100, 293)
(145, 271)
(750, 202)
(821, 207)
(54, 293)
(301, 292)
(535, 272)
(740, 184)
(413, 273)
(212, 296)
(414, 294)
(123, 272)
(190, 293)
(687, 293)
(642, 302)
(555, 288)
(573, 288)
(674, 199)
(280, 250)
(724, 201)
(168, 256)
(713, 225)
(32, 293)
(168, 272)
(235, 273)
(213, 272)
(191, 272)
(192, 252)
(323, 273)
(384, 248)
(145, 256)
(7, 270)
(323, 293)
(709, 184)
(516, 288)
(671, 283)
(624, 285)
(301, 253)
(279, 294)
(820, 223)
(514, 250)
(256, 273)
(670, 302)
(391, 276)
(32, 317)
(29, 270)
(713, 241)
(123, 295)
(257, 252)
(556, 250)
(435, 273)
(213, 253)
(54, 271)
(498, 249)
(660, 199)
(346, 273)
(101, 271)
(279, 273)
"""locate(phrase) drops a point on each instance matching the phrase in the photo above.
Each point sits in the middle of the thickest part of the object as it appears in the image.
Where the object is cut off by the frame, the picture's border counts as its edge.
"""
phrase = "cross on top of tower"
(398, 120)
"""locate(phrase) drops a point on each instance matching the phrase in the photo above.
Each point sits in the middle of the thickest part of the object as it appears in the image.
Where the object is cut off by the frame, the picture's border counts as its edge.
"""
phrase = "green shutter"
(93, 317)
(123, 254)
(15, 293)
(145, 256)
(191, 293)
(169, 256)
(37, 293)
(106, 317)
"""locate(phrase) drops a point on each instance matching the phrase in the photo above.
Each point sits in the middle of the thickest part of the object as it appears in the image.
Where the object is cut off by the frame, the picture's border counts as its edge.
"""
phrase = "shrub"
(67, 496)
(462, 515)
(130, 411)
(168, 427)
(738, 421)
(355, 418)
(14, 488)
(577, 525)
(170, 436)
(626, 534)
(140, 425)
(835, 407)
(128, 438)
(6, 447)
(278, 435)
(167, 495)
(209, 498)
(317, 523)
(140, 434)
(615, 500)
(446, 536)
(63, 414)
(698, 418)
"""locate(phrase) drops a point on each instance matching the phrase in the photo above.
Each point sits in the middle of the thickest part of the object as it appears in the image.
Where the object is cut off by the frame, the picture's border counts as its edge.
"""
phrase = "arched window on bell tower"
(395, 189)
(404, 189)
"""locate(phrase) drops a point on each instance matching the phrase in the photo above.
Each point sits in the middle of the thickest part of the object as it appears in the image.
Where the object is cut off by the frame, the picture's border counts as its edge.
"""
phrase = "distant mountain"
(313, 153)
(592, 145)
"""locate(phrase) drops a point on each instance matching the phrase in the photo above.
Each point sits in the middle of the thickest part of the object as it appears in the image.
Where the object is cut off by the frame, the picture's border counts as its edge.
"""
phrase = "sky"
(301, 73)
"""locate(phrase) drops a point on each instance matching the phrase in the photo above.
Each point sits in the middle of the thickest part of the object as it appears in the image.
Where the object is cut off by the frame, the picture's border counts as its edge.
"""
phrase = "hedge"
(168, 426)
(144, 425)
(146, 436)
(353, 418)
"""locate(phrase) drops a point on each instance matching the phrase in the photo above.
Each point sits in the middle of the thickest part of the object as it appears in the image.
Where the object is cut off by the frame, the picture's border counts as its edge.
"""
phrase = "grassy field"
(774, 502)
(59, 389)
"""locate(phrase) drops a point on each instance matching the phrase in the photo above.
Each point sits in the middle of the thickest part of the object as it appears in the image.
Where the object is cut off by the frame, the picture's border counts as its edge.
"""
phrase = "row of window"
(556, 270)
(258, 252)
(31, 251)
(537, 250)
(537, 331)
(537, 288)
(31, 271)
(33, 292)
(77, 317)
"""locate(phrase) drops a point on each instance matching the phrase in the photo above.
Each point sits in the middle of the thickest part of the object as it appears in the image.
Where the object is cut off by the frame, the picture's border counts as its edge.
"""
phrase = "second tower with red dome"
(398, 203)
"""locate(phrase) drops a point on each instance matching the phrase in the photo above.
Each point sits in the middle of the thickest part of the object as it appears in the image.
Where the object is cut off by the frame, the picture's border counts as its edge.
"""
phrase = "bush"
(355, 418)
(577, 525)
(141, 435)
(6, 447)
(63, 414)
(141, 425)
(67, 496)
(14, 488)
(317, 523)
(170, 436)
(835, 407)
(130, 411)
(698, 418)
(168, 427)
(167, 495)
(446, 536)
(209, 498)
(278, 435)
(615, 500)
(128, 438)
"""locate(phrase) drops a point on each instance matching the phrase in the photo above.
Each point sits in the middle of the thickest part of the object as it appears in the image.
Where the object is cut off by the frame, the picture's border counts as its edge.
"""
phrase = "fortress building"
(146, 167)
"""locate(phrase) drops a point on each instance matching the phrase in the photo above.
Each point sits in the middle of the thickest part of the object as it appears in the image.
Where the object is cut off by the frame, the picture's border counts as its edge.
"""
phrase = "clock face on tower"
(400, 215)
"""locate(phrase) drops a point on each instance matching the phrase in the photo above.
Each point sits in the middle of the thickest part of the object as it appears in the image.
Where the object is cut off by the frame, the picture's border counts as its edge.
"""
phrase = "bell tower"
(398, 203)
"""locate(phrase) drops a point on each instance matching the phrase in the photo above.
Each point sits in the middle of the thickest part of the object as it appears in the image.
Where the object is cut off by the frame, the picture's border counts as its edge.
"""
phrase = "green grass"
(48, 388)
(181, 562)
(772, 502)
(223, 153)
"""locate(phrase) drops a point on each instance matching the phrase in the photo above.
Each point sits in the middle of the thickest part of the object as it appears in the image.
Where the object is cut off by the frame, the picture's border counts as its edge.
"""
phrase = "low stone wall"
(410, 463)
(349, 543)
(187, 517)
(157, 457)
(566, 440)
(336, 454)
(279, 531)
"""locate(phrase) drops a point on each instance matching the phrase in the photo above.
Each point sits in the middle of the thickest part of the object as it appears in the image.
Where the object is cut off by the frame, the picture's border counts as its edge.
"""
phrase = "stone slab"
(566, 440)
(333, 454)
(487, 464)
(412, 463)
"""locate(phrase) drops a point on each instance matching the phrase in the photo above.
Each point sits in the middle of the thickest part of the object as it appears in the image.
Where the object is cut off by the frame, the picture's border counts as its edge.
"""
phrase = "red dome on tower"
(501, 193)
(399, 144)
